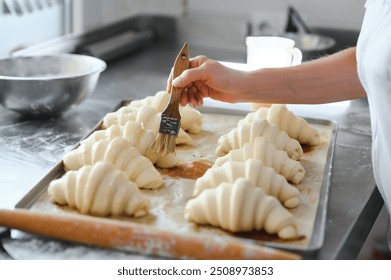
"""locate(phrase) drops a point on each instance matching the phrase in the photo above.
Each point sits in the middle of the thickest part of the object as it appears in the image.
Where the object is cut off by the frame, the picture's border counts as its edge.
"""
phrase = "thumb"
(178, 81)
(187, 77)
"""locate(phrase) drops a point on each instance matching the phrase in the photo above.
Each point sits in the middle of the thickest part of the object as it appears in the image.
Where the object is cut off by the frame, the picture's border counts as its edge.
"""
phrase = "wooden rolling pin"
(136, 238)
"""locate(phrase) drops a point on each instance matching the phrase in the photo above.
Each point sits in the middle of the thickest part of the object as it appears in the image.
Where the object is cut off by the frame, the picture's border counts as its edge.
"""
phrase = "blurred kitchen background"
(208, 24)
(221, 24)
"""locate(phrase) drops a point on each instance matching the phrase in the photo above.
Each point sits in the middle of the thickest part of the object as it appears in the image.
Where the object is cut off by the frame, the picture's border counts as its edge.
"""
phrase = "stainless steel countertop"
(29, 148)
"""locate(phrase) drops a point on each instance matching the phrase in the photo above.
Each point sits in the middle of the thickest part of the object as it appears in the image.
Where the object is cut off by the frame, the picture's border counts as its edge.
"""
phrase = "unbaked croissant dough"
(99, 189)
(159, 101)
(119, 117)
(260, 113)
(265, 151)
(191, 119)
(255, 171)
(147, 115)
(247, 132)
(122, 154)
(139, 137)
(296, 127)
(239, 206)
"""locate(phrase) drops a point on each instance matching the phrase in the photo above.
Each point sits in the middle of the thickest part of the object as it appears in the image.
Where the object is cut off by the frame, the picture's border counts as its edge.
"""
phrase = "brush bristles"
(165, 144)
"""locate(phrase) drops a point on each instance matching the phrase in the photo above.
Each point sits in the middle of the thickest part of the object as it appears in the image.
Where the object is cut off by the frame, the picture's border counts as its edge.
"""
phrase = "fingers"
(194, 73)
(194, 63)
(198, 61)
(195, 95)
(188, 77)
(184, 97)
(202, 89)
(193, 80)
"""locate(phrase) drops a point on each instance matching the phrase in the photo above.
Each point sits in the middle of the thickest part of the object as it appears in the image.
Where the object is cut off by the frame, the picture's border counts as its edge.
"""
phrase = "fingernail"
(177, 81)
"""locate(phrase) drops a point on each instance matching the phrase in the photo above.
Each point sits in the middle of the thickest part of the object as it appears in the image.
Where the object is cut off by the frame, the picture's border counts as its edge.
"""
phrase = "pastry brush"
(171, 117)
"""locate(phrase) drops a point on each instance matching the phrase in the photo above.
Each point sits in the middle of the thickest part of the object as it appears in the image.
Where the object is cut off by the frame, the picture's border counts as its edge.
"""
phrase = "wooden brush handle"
(134, 237)
(181, 64)
(175, 98)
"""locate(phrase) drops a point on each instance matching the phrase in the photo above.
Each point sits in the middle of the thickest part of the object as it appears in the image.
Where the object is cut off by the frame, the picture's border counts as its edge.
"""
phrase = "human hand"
(208, 78)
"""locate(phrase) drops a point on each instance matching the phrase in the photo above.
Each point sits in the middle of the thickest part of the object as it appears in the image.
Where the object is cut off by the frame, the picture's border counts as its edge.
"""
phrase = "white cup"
(271, 52)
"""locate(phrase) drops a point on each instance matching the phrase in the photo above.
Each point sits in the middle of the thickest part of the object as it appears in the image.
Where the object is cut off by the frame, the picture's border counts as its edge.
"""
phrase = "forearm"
(329, 79)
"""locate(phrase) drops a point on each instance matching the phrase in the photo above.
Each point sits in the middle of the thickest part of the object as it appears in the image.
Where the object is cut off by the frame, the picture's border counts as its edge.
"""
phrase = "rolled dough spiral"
(99, 189)
(267, 152)
(248, 132)
(122, 155)
(239, 206)
(255, 171)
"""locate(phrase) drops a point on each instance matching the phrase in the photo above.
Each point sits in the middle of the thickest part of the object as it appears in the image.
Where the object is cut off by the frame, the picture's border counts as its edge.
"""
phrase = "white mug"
(271, 52)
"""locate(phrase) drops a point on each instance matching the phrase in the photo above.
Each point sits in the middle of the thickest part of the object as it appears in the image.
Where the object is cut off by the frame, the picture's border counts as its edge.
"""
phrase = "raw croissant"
(239, 206)
(147, 115)
(247, 132)
(296, 127)
(122, 155)
(99, 189)
(139, 137)
(159, 101)
(265, 151)
(119, 117)
(255, 171)
(261, 113)
(191, 119)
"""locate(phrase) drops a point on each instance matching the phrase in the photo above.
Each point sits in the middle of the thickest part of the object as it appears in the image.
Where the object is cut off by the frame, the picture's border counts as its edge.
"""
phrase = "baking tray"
(316, 201)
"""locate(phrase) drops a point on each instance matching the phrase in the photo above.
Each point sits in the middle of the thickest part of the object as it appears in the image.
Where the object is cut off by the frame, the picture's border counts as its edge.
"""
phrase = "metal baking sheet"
(315, 199)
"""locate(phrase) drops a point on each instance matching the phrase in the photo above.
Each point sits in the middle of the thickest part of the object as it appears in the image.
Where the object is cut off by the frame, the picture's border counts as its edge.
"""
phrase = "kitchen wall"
(223, 24)
(346, 14)
(90, 14)
(210, 23)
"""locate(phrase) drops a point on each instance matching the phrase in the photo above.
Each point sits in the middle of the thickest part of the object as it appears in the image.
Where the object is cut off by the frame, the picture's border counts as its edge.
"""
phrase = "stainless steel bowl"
(47, 85)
